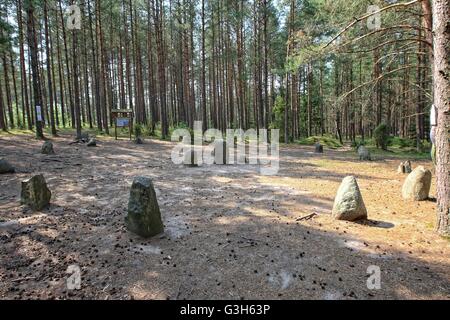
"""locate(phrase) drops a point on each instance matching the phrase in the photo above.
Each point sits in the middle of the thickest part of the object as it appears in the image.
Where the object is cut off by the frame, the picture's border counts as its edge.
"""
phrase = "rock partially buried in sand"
(417, 185)
(6, 167)
(364, 153)
(47, 148)
(35, 193)
(144, 217)
(349, 204)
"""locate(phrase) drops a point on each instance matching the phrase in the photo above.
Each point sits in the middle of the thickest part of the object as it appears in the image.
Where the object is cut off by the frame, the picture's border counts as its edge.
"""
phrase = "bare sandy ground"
(231, 233)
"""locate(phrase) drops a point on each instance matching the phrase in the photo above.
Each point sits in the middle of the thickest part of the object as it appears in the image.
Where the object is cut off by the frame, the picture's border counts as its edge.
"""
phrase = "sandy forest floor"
(231, 233)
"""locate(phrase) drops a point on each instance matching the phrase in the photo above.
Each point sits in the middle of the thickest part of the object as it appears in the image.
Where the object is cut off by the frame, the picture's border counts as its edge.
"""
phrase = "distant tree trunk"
(66, 55)
(441, 28)
(33, 49)
(158, 16)
(2, 110)
(95, 70)
(203, 77)
(7, 90)
(310, 89)
(76, 84)
(49, 70)
(23, 83)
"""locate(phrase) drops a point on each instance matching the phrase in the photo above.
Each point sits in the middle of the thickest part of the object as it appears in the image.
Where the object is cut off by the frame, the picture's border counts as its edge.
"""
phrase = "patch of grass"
(326, 140)
(396, 153)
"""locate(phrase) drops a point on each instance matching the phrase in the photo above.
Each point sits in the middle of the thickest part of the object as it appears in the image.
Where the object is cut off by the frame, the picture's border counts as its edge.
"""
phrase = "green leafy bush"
(381, 136)
(326, 140)
(138, 130)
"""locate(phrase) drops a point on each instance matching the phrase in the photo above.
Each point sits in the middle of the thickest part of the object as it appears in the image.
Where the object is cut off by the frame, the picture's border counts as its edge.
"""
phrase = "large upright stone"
(417, 185)
(35, 193)
(364, 153)
(144, 217)
(47, 148)
(6, 167)
(349, 204)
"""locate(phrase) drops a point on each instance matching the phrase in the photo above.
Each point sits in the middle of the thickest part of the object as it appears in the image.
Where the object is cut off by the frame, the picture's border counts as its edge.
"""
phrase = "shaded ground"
(230, 232)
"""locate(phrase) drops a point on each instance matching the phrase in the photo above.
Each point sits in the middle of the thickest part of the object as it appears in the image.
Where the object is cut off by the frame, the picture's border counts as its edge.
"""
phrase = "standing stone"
(408, 167)
(417, 185)
(364, 153)
(35, 193)
(47, 148)
(349, 204)
(6, 167)
(144, 217)
(319, 148)
(92, 142)
(405, 167)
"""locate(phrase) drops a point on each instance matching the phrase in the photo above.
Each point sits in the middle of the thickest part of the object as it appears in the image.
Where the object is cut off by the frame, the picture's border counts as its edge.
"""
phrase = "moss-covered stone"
(47, 148)
(144, 217)
(35, 193)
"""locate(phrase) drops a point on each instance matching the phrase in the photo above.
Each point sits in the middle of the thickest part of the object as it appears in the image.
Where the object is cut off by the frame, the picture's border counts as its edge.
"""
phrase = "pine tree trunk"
(33, 49)
(441, 28)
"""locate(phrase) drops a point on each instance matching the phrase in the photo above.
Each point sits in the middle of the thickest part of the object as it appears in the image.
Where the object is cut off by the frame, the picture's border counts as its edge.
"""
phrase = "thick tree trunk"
(441, 30)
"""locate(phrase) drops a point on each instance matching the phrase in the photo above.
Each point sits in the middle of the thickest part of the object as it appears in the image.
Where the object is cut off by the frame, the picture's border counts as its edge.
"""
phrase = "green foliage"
(358, 142)
(326, 140)
(381, 136)
(138, 130)
(278, 115)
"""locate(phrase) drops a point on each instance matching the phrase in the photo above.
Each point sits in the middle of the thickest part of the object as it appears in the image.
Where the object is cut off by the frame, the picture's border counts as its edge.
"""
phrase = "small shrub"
(138, 130)
(381, 136)
(358, 143)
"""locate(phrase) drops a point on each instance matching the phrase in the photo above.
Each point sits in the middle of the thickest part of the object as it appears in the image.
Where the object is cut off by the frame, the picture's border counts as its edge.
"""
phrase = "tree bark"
(441, 30)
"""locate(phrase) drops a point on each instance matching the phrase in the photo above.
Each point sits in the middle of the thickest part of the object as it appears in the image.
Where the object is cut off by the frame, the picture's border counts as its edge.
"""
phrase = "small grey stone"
(47, 148)
(35, 193)
(318, 148)
(364, 153)
(6, 167)
(417, 185)
(405, 167)
(349, 204)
